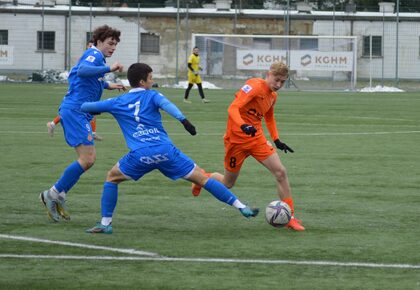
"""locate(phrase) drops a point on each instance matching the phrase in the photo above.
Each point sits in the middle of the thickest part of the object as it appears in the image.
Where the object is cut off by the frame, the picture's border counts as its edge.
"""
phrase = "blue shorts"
(166, 158)
(76, 127)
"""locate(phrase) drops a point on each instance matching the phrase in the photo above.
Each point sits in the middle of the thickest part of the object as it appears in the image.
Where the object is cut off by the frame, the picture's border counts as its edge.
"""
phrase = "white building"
(150, 35)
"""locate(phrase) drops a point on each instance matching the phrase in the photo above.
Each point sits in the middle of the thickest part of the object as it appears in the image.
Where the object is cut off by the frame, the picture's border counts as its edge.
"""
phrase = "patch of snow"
(381, 89)
(184, 85)
(124, 82)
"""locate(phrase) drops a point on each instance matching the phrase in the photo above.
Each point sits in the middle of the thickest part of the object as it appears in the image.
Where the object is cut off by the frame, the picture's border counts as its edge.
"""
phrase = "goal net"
(315, 62)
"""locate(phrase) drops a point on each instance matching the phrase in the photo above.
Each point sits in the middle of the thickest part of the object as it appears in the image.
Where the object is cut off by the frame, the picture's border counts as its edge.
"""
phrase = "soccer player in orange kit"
(245, 135)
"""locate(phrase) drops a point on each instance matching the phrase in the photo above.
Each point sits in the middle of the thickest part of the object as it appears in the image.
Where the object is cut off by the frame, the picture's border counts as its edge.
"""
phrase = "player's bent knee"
(202, 180)
(90, 161)
(281, 174)
(87, 163)
(112, 178)
(115, 176)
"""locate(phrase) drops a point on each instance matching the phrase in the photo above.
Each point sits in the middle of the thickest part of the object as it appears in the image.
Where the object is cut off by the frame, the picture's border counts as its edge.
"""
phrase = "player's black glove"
(249, 129)
(282, 146)
(189, 127)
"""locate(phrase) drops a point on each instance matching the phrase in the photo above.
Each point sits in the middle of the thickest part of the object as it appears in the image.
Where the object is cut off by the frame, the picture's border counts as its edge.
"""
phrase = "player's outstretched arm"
(115, 86)
(173, 110)
(189, 127)
(283, 146)
(86, 70)
(96, 108)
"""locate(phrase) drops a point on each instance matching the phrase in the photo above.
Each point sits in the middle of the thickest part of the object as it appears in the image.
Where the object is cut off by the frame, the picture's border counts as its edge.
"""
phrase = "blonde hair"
(279, 68)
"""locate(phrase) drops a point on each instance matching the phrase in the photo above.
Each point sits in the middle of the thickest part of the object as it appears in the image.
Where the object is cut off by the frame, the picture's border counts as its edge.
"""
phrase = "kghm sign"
(6, 55)
(258, 59)
(321, 60)
(299, 59)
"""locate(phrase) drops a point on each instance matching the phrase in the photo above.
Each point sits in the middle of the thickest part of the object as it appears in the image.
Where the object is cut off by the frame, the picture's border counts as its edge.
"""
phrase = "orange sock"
(93, 124)
(57, 120)
(289, 201)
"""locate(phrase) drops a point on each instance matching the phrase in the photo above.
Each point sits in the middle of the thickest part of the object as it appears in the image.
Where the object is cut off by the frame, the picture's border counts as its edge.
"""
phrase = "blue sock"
(219, 191)
(70, 176)
(109, 199)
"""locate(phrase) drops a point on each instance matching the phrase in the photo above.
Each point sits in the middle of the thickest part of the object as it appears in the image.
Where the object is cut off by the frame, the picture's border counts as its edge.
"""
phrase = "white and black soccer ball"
(278, 213)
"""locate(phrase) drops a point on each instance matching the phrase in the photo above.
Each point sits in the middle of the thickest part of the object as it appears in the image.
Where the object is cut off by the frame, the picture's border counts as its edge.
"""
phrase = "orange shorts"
(236, 153)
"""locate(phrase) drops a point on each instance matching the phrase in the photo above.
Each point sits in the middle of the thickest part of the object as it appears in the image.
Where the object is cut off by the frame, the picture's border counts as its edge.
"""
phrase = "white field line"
(319, 116)
(124, 251)
(197, 112)
(221, 134)
(216, 260)
(352, 133)
(148, 256)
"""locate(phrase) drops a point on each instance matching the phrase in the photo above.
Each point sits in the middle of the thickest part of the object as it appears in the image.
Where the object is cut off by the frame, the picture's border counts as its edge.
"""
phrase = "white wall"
(23, 37)
(23, 29)
(409, 32)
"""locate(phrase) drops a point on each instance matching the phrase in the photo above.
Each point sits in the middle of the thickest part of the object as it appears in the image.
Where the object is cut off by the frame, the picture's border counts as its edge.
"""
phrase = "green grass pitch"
(355, 178)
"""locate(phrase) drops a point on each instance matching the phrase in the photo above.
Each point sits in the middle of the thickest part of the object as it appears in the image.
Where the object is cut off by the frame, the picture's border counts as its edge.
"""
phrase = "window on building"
(376, 46)
(4, 37)
(46, 40)
(262, 43)
(88, 36)
(308, 44)
(419, 45)
(88, 39)
(150, 43)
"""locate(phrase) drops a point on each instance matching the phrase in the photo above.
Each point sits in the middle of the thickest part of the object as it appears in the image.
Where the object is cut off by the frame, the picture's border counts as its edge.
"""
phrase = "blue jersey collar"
(137, 90)
(95, 48)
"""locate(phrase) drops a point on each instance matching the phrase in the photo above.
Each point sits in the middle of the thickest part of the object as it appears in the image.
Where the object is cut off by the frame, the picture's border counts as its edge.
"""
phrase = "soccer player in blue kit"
(86, 84)
(137, 113)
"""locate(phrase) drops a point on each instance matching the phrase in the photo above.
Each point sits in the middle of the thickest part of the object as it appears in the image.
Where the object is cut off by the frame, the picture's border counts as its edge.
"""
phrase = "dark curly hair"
(103, 32)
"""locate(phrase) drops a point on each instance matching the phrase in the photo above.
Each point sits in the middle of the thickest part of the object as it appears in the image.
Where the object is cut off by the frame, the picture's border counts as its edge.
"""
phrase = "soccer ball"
(278, 213)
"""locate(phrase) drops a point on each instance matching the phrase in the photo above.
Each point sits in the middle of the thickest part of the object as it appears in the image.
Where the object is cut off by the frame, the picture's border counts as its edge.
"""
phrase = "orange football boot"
(195, 188)
(295, 225)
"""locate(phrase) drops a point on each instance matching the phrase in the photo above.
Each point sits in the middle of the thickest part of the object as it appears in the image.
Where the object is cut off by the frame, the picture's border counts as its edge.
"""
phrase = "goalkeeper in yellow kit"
(194, 76)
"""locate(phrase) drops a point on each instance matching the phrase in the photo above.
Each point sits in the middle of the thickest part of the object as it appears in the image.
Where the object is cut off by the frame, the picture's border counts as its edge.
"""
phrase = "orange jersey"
(253, 102)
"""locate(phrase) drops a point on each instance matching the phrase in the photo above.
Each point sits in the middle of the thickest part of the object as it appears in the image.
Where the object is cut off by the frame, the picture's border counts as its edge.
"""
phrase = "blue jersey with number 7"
(138, 115)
